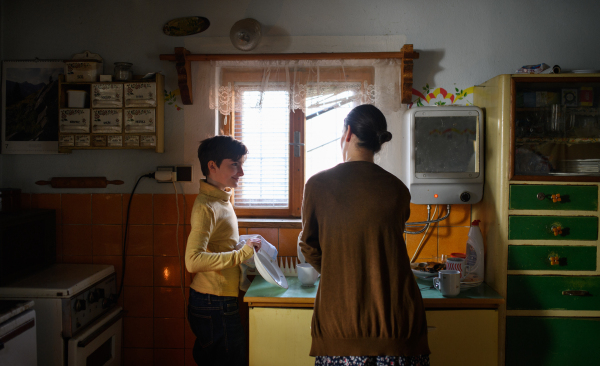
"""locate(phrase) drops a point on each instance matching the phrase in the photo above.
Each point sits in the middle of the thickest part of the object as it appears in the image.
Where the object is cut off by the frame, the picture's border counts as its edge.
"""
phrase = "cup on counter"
(441, 259)
(447, 282)
(457, 264)
(307, 274)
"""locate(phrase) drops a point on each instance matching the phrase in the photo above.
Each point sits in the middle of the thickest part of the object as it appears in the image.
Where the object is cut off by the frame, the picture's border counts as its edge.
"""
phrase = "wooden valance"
(183, 59)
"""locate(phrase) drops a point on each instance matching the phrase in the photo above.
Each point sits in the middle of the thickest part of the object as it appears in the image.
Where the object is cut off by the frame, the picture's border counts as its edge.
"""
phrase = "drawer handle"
(555, 197)
(556, 229)
(576, 293)
(554, 261)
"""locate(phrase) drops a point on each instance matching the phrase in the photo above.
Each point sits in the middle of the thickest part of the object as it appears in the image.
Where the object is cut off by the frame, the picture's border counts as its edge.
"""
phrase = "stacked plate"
(581, 166)
(467, 285)
(422, 274)
(585, 71)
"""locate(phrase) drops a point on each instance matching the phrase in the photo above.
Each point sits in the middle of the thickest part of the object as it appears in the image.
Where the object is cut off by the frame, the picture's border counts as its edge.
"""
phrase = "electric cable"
(149, 175)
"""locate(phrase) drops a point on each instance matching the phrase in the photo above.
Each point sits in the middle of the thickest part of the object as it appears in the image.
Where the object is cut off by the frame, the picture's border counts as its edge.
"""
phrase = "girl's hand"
(254, 243)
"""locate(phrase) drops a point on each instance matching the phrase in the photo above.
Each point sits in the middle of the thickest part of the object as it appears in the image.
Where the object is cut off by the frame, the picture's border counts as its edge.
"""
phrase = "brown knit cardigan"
(368, 303)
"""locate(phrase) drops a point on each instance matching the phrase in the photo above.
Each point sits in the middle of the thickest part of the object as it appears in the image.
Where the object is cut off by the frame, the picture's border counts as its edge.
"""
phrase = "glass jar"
(123, 71)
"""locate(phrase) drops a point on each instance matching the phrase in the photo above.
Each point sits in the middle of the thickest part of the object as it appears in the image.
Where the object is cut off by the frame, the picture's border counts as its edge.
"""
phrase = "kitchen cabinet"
(280, 324)
(554, 128)
(550, 337)
(111, 115)
(280, 336)
(540, 214)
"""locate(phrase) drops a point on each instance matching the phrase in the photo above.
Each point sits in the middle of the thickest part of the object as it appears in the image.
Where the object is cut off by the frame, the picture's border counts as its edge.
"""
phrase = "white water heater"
(445, 154)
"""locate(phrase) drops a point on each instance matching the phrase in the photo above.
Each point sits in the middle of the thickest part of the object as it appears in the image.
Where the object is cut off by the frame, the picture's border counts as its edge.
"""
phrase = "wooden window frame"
(297, 122)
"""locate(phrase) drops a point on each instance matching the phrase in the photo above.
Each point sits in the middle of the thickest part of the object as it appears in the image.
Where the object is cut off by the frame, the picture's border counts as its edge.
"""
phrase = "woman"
(368, 309)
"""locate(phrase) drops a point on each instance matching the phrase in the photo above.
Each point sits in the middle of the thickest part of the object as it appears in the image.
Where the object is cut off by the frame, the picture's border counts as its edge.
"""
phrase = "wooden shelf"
(158, 133)
(559, 140)
(183, 59)
(584, 111)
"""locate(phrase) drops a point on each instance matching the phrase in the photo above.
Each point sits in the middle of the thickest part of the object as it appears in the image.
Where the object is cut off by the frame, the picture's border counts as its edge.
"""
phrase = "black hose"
(150, 175)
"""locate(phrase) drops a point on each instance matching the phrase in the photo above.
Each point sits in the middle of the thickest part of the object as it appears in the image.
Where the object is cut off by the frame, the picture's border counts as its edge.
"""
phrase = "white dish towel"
(266, 247)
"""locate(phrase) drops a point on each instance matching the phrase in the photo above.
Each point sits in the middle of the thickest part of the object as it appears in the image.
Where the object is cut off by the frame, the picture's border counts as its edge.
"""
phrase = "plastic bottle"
(475, 255)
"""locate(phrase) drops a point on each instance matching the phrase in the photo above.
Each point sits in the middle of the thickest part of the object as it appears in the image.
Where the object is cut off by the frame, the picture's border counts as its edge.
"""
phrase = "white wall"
(461, 43)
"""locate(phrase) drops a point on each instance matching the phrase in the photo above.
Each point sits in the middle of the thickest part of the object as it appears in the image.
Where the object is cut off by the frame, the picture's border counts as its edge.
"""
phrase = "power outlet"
(170, 169)
(184, 173)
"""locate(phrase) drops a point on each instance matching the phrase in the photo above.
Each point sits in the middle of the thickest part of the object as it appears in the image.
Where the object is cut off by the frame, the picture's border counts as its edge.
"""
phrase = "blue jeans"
(216, 322)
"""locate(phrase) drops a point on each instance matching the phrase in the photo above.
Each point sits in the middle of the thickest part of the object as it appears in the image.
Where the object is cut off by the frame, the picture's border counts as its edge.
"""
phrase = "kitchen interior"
(535, 194)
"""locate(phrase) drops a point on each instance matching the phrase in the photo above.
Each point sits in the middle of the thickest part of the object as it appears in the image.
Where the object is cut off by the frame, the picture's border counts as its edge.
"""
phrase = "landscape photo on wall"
(30, 106)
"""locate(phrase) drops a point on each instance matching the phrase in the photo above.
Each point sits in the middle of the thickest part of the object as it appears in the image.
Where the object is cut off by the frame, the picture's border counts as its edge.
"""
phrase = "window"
(265, 131)
(290, 116)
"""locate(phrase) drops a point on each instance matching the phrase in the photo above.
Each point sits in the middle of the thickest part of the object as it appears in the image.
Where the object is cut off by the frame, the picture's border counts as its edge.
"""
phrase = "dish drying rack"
(287, 265)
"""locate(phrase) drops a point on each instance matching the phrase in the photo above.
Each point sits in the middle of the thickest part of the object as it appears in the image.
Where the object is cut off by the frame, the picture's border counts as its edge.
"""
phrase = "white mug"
(307, 274)
(448, 282)
(457, 264)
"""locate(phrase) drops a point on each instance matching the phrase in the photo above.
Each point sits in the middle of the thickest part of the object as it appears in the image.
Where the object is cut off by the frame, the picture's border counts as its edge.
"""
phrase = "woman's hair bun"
(385, 137)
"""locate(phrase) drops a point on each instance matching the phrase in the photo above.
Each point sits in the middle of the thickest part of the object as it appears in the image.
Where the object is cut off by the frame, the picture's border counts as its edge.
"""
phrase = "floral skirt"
(422, 360)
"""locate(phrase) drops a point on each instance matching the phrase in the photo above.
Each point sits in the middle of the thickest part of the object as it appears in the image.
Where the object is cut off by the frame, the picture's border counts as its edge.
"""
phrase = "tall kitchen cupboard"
(540, 214)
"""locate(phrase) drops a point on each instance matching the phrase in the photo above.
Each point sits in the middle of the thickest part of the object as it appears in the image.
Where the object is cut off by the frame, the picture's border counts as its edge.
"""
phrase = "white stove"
(76, 313)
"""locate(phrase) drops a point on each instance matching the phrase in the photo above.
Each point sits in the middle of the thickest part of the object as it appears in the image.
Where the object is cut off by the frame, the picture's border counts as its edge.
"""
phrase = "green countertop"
(261, 288)
(262, 293)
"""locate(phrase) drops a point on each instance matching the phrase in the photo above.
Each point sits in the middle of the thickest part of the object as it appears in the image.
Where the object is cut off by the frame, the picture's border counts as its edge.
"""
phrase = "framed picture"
(30, 106)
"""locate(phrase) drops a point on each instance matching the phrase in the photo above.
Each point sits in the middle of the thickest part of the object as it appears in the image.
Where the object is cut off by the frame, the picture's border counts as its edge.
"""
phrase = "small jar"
(123, 71)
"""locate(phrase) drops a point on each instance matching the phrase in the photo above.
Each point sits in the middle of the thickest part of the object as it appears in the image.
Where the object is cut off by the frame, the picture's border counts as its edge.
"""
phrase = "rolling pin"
(78, 182)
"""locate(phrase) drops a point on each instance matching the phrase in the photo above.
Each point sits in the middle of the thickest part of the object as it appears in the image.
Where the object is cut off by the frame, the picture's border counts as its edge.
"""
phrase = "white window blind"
(263, 126)
(325, 115)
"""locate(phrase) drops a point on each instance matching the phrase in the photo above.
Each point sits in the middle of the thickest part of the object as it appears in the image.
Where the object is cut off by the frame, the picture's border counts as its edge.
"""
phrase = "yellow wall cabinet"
(540, 214)
(281, 336)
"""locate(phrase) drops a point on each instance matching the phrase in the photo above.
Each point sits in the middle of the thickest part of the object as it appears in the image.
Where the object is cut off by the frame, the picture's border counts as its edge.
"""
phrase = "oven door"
(100, 344)
(18, 340)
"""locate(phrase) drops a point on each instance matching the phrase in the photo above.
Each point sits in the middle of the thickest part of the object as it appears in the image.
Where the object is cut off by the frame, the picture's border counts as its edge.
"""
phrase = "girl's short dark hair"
(368, 124)
(219, 148)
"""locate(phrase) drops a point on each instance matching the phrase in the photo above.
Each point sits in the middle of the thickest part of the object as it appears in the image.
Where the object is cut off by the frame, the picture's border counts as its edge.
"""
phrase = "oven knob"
(79, 305)
(109, 301)
(465, 196)
(100, 293)
(92, 298)
(106, 302)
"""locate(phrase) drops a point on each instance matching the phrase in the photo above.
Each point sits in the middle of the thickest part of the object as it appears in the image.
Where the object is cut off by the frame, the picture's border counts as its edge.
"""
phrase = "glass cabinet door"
(555, 128)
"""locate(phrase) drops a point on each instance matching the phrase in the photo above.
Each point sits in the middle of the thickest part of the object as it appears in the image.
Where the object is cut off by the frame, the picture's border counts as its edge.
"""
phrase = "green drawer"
(581, 198)
(546, 292)
(537, 257)
(551, 341)
(540, 227)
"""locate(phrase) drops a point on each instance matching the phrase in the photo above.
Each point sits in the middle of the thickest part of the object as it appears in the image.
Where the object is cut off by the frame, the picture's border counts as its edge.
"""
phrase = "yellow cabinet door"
(463, 337)
(280, 336)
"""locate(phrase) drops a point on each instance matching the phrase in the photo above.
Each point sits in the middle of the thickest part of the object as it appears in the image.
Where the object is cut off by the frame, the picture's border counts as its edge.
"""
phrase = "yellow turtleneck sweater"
(210, 251)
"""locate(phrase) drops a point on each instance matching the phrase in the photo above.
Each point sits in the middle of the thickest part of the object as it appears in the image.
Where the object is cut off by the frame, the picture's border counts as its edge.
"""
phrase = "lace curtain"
(377, 82)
